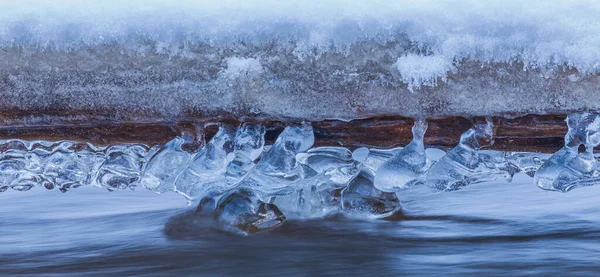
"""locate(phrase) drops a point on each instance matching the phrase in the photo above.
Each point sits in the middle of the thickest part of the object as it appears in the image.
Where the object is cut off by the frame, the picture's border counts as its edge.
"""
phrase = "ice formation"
(361, 196)
(248, 187)
(574, 165)
(466, 164)
(406, 167)
(205, 170)
(242, 211)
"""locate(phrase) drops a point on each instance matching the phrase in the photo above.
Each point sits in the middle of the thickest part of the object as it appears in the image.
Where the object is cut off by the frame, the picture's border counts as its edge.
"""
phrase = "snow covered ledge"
(151, 62)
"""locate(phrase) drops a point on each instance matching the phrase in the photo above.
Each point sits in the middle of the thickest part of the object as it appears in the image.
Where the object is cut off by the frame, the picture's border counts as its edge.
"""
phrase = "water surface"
(489, 229)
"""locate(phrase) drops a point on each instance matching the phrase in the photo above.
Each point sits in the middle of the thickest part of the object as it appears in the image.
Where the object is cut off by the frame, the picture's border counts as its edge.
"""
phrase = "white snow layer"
(540, 34)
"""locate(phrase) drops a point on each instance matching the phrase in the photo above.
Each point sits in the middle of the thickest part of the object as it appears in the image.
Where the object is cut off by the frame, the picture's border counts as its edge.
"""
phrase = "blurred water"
(489, 229)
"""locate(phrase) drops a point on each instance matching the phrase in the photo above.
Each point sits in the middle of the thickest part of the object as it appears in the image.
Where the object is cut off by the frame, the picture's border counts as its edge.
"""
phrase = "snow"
(312, 60)
(242, 66)
(417, 70)
(546, 35)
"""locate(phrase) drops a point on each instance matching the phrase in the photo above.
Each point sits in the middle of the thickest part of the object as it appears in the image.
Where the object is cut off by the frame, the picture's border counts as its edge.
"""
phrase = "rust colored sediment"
(532, 133)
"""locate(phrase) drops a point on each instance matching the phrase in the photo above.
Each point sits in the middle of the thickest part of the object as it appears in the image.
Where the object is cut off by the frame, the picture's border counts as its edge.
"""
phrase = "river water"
(488, 229)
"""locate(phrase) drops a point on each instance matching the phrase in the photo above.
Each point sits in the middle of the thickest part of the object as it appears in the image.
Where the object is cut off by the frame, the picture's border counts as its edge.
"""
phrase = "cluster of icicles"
(248, 186)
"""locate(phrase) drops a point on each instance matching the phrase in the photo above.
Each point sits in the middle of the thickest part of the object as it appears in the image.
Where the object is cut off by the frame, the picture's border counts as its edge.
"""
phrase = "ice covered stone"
(164, 166)
(242, 211)
(122, 167)
(466, 164)
(574, 165)
(406, 167)
(362, 197)
(207, 166)
(248, 145)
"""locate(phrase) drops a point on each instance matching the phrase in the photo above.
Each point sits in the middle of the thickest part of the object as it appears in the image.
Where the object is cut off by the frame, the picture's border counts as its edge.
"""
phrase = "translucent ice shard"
(66, 165)
(230, 159)
(122, 167)
(248, 145)
(303, 201)
(466, 164)
(574, 165)
(165, 165)
(528, 163)
(362, 197)
(406, 167)
(374, 158)
(207, 166)
(336, 162)
(280, 160)
(278, 168)
(319, 193)
(242, 211)
(13, 165)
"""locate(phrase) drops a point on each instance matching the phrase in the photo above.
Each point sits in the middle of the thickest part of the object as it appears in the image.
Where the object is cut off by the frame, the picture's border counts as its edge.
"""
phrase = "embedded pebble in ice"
(165, 165)
(242, 211)
(208, 204)
(207, 166)
(465, 164)
(362, 197)
(574, 165)
(122, 167)
(248, 145)
(406, 167)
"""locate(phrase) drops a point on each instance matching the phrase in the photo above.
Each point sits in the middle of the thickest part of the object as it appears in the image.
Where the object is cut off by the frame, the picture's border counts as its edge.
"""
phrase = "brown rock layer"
(533, 133)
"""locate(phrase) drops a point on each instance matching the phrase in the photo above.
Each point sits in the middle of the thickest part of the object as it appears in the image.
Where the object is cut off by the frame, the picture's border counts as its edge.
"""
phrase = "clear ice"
(574, 165)
(207, 166)
(248, 186)
(248, 145)
(362, 197)
(406, 167)
(466, 164)
(165, 165)
(278, 171)
(242, 211)
(122, 167)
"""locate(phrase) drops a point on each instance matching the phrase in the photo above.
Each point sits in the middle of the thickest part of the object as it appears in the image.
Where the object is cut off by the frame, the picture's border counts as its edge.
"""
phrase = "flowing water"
(486, 229)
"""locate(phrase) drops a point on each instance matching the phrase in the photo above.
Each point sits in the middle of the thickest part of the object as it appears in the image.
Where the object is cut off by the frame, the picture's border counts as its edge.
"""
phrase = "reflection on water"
(485, 230)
